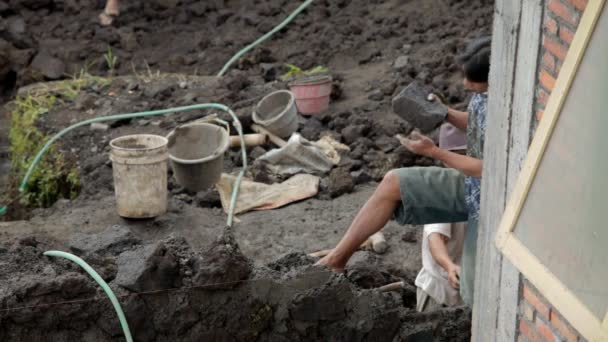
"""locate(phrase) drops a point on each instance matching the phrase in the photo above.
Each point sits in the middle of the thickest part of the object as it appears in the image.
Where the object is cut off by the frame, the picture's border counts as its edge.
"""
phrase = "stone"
(269, 71)
(257, 152)
(326, 304)
(208, 199)
(311, 129)
(147, 268)
(361, 176)
(340, 182)
(352, 133)
(386, 143)
(49, 66)
(113, 240)
(376, 95)
(97, 126)
(411, 104)
(401, 62)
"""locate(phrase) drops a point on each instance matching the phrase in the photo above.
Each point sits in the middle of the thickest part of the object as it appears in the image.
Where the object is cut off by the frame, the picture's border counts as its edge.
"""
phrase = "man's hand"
(418, 143)
(454, 276)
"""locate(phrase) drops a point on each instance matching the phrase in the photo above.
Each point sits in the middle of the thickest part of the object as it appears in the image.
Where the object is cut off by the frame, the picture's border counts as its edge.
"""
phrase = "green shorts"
(431, 195)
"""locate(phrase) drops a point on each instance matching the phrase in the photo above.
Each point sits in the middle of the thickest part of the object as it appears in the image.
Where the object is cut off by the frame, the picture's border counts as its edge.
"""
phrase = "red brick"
(528, 331)
(539, 115)
(522, 338)
(544, 330)
(541, 307)
(579, 4)
(566, 35)
(563, 328)
(549, 62)
(569, 15)
(558, 50)
(542, 97)
(547, 81)
(551, 25)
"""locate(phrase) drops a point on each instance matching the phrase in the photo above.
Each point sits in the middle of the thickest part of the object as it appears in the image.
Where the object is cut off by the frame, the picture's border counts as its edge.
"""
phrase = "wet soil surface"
(254, 282)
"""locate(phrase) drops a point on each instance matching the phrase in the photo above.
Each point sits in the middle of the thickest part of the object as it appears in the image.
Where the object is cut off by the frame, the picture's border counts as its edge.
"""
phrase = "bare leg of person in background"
(110, 12)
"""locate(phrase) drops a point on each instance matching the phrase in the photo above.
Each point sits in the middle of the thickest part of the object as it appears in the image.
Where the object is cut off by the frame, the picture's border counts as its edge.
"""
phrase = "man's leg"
(374, 214)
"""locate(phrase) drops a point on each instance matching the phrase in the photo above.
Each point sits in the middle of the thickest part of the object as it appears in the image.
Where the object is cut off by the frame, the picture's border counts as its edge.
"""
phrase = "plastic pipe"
(264, 37)
(106, 288)
(236, 123)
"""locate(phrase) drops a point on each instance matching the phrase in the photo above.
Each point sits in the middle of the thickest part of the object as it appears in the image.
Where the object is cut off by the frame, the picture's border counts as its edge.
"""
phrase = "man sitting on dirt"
(423, 195)
(438, 280)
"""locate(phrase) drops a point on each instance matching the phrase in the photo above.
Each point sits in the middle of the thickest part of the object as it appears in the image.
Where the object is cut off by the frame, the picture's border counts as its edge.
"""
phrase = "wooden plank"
(558, 294)
(521, 122)
(494, 180)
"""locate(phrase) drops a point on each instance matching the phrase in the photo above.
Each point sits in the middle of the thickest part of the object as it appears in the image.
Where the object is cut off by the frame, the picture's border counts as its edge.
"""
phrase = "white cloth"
(433, 279)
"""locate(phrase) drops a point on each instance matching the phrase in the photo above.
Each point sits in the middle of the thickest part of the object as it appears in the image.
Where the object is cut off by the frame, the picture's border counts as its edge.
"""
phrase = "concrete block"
(411, 104)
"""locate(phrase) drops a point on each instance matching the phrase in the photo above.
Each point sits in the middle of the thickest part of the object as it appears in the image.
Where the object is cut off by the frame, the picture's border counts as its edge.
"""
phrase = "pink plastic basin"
(312, 94)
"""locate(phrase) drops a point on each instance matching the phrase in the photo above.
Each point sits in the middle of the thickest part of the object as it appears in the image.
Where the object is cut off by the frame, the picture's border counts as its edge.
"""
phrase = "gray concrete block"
(411, 104)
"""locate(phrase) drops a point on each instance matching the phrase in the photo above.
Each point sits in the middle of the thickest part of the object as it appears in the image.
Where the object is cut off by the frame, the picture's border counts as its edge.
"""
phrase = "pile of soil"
(172, 292)
(372, 48)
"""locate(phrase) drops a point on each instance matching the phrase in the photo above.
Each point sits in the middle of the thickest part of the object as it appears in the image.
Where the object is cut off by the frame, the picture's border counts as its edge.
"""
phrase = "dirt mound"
(287, 300)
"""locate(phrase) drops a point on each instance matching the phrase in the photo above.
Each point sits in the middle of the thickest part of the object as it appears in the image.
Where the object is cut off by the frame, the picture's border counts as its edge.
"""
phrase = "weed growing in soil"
(294, 71)
(111, 61)
(53, 178)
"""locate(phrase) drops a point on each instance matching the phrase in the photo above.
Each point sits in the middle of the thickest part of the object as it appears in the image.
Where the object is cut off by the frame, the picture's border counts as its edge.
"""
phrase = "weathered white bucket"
(139, 164)
(277, 113)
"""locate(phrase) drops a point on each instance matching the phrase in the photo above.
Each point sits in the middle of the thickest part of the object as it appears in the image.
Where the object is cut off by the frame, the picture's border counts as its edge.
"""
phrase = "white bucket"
(139, 165)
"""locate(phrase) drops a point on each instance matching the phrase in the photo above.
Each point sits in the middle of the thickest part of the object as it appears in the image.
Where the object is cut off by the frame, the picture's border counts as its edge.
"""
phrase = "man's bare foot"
(106, 19)
(110, 12)
(330, 262)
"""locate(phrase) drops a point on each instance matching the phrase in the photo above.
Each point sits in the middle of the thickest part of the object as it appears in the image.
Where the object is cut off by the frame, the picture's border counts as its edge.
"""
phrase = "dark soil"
(255, 283)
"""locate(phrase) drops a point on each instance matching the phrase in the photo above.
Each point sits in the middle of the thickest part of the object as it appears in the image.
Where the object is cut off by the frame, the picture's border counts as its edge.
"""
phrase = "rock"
(411, 104)
(376, 95)
(269, 71)
(113, 240)
(361, 176)
(148, 268)
(386, 144)
(208, 199)
(222, 266)
(16, 26)
(49, 66)
(401, 62)
(257, 152)
(97, 126)
(340, 182)
(352, 133)
(311, 129)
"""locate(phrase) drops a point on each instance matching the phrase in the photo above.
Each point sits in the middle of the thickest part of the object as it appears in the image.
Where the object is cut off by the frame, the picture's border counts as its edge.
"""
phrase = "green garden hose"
(106, 288)
(264, 37)
(236, 123)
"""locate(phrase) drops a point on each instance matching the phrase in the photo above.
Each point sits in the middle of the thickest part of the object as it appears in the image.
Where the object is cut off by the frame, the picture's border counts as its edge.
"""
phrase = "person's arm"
(424, 146)
(458, 118)
(468, 165)
(455, 117)
(439, 251)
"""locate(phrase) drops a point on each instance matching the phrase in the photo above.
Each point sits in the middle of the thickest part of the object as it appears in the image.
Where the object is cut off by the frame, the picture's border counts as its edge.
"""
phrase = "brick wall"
(559, 24)
(539, 321)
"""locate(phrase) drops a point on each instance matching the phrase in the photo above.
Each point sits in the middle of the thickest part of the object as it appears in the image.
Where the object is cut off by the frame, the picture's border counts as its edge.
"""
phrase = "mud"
(255, 282)
(214, 294)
